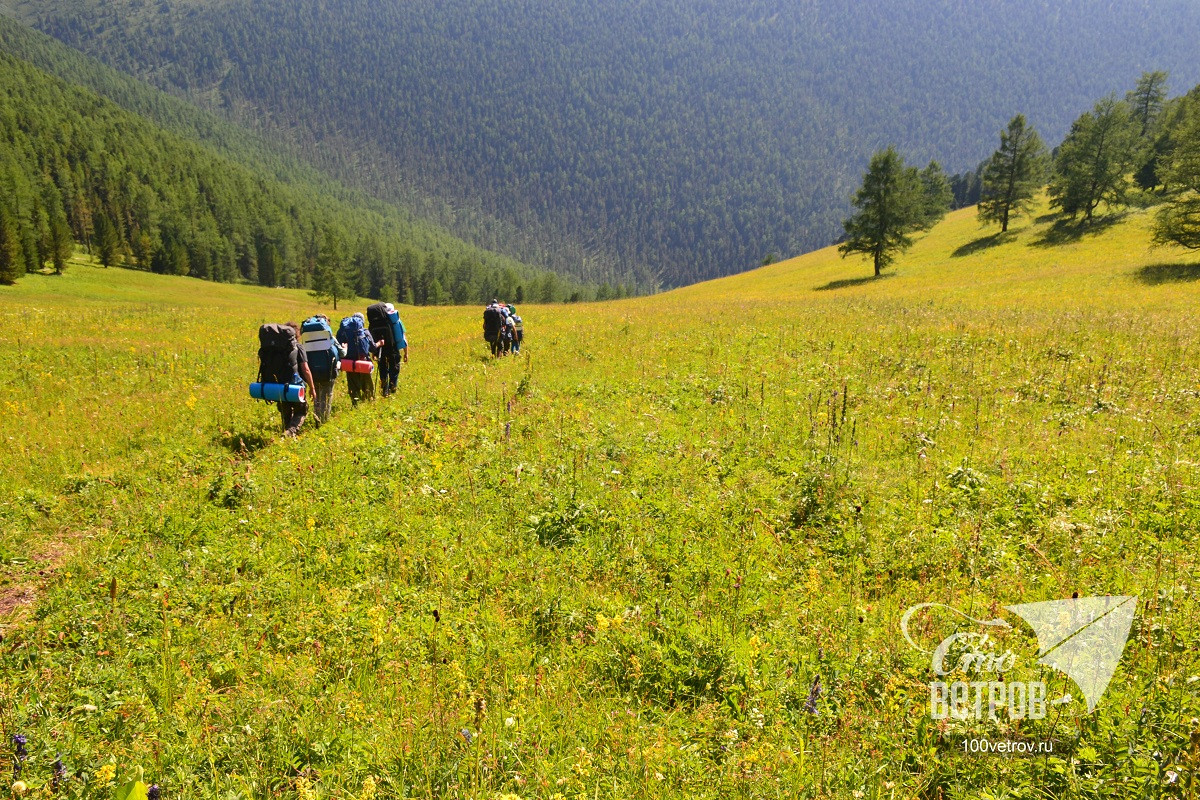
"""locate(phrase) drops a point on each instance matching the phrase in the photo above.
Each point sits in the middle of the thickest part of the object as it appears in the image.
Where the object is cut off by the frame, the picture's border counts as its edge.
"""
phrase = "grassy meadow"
(662, 553)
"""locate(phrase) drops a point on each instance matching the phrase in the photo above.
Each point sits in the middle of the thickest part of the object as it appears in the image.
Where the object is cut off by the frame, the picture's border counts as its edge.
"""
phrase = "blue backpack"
(324, 355)
(398, 330)
(352, 334)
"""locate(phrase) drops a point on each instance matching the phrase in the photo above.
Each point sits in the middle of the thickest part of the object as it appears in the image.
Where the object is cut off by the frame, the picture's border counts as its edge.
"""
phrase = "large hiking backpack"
(352, 334)
(324, 355)
(398, 332)
(278, 355)
(379, 324)
(493, 321)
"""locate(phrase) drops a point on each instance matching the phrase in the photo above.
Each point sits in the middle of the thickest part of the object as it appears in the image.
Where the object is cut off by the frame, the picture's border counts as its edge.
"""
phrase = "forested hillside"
(77, 167)
(656, 142)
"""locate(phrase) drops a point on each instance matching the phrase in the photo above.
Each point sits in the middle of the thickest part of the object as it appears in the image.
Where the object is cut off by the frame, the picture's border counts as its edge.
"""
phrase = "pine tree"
(1094, 160)
(891, 206)
(1013, 174)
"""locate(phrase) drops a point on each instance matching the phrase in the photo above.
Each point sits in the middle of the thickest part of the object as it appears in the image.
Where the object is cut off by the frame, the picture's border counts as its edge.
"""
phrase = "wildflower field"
(662, 553)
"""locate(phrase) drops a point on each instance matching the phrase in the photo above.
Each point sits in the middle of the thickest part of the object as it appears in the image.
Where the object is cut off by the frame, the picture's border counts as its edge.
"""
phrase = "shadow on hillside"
(845, 283)
(983, 243)
(1066, 231)
(1044, 218)
(1158, 274)
(243, 443)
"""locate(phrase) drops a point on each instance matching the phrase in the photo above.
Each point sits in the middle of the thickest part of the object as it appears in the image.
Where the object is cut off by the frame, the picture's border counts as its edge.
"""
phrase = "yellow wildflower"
(106, 773)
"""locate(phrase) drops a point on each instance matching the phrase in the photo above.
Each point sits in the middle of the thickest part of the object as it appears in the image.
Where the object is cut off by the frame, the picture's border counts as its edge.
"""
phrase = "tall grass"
(662, 553)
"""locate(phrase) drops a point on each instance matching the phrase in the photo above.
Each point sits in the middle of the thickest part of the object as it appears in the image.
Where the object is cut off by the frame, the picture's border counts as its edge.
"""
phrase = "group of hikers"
(309, 356)
(297, 362)
(503, 330)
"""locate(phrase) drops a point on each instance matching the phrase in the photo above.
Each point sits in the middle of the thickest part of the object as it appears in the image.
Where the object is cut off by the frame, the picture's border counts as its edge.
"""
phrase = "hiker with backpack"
(283, 365)
(493, 323)
(518, 332)
(359, 347)
(324, 362)
(387, 331)
(507, 334)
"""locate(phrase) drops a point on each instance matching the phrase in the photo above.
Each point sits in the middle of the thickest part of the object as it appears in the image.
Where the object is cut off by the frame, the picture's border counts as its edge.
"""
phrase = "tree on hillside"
(1147, 99)
(1148, 106)
(12, 263)
(106, 240)
(1094, 160)
(936, 195)
(332, 278)
(893, 202)
(1179, 221)
(1013, 174)
(59, 242)
(965, 187)
(1163, 139)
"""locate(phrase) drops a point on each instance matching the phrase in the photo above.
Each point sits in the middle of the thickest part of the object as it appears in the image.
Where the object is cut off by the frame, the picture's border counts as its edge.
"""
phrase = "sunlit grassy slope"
(663, 553)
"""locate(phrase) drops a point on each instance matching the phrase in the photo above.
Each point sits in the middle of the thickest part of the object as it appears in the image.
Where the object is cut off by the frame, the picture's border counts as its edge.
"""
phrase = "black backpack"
(378, 323)
(493, 321)
(278, 359)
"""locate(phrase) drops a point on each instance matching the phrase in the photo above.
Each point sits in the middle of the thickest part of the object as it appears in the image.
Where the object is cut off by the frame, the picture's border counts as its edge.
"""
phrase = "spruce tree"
(1013, 174)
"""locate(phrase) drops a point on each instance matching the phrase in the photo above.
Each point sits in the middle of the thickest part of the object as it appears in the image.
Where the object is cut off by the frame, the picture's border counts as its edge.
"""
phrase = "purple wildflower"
(814, 694)
(59, 774)
(467, 735)
(19, 754)
(153, 793)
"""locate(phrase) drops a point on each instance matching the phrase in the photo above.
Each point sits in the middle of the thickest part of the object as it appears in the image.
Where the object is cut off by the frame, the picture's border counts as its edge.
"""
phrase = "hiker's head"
(295, 329)
(360, 316)
(495, 301)
(389, 308)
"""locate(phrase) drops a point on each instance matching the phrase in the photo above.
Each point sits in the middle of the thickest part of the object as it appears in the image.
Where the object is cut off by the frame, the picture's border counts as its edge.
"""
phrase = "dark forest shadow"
(1044, 218)
(983, 243)
(848, 282)
(1158, 274)
(1066, 231)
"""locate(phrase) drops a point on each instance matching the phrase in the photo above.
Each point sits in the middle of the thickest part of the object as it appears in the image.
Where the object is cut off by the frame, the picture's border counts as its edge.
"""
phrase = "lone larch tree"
(1013, 174)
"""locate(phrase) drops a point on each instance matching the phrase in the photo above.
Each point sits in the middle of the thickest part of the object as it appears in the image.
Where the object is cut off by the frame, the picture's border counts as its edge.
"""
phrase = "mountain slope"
(683, 527)
(183, 192)
(664, 141)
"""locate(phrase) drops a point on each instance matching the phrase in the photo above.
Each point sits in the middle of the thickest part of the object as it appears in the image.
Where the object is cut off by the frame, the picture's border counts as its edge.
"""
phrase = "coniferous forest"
(77, 167)
(647, 143)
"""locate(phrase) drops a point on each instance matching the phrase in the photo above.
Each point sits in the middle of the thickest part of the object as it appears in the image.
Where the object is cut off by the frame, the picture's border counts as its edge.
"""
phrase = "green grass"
(643, 540)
